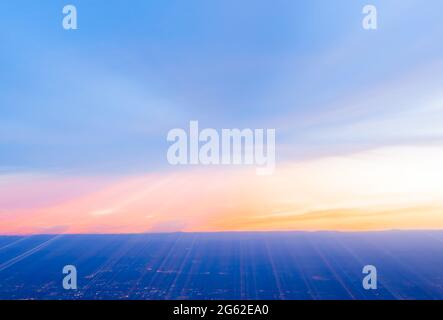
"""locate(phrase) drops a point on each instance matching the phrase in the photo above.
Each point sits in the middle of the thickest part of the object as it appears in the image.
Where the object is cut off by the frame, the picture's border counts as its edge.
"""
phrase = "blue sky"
(102, 98)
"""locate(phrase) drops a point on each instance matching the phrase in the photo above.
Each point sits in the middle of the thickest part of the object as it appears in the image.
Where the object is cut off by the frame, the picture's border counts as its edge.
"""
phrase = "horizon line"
(223, 232)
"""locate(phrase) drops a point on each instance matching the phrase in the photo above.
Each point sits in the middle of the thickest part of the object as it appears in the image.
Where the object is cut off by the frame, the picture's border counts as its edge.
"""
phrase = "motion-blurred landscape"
(280, 265)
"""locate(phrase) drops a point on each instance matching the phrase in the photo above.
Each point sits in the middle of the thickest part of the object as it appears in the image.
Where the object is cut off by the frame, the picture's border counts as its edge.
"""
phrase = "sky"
(84, 115)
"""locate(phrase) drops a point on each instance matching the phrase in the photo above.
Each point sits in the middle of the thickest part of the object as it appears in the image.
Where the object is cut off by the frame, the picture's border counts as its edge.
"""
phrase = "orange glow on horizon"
(390, 188)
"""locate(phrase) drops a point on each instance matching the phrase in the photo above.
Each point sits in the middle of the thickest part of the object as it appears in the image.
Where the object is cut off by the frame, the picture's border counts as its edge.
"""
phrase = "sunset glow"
(391, 188)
